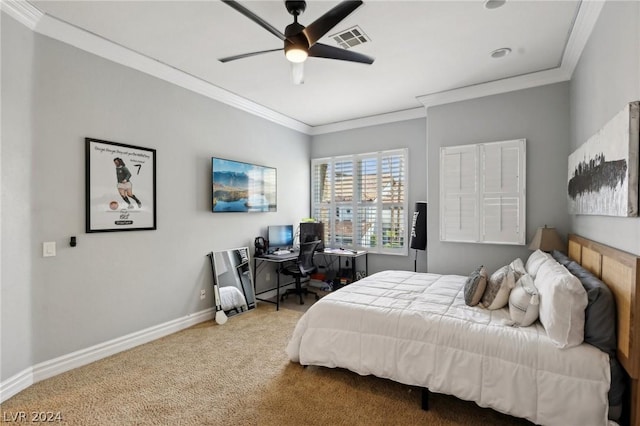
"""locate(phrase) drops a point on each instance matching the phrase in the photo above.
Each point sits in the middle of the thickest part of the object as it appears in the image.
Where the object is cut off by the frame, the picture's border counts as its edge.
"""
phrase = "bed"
(416, 329)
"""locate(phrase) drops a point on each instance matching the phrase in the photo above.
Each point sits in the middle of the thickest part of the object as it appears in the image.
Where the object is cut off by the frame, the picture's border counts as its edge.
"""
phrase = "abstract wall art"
(603, 172)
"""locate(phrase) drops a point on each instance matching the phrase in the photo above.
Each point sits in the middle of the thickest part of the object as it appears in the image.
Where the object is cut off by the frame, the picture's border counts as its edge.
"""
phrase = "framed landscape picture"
(242, 187)
(120, 187)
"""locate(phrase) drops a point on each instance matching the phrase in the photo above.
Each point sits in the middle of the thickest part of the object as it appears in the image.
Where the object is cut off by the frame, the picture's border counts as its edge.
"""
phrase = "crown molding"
(373, 120)
(22, 12)
(579, 36)
(586, 18)
(92, 43)
(30, 16)
(511, 84)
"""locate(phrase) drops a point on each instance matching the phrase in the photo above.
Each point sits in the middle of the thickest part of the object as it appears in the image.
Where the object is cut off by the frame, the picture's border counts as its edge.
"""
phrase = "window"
(482, 193)
(362, 200)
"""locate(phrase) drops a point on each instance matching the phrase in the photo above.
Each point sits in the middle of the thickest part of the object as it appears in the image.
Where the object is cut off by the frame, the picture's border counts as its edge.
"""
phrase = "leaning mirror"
(232, 273)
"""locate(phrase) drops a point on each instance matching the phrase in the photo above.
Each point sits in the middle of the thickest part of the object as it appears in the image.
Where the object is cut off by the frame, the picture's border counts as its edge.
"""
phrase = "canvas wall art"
(603, 172)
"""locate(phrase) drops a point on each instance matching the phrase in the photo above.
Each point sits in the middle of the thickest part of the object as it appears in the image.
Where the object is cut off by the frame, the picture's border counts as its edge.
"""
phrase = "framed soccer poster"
(120, 187)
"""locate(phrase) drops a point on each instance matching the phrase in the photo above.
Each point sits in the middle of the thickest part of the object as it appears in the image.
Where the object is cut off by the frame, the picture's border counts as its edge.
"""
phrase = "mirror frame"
(231, 265)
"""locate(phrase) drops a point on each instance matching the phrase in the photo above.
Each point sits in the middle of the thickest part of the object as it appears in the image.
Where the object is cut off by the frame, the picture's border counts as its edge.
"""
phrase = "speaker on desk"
(312, 231)
(419, 230)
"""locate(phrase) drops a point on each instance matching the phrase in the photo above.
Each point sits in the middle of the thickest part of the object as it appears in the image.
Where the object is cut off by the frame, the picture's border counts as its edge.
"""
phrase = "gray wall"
(606, 78)
(16, 202)
(409, 134)
(113, 284)
(541, 115)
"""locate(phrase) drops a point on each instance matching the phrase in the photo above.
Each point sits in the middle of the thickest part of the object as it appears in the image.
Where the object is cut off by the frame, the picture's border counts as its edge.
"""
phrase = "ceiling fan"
(300, 42)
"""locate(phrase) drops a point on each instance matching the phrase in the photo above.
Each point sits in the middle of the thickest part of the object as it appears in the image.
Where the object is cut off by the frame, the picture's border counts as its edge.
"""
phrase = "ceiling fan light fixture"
(296, 54)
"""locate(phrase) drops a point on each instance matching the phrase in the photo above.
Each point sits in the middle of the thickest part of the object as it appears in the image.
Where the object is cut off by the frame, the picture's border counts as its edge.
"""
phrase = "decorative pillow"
(500, 284)
(535, 260)
(524, 302)
(560, 257)
(518, 269)
(600, 326)
(600, 313)
(562, 304)
(474, 286)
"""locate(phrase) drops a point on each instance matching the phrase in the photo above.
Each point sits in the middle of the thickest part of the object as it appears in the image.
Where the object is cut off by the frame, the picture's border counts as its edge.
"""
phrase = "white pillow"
(496, 295)
(524, 302)
(563, 300)
(518, 268)
(535, 260)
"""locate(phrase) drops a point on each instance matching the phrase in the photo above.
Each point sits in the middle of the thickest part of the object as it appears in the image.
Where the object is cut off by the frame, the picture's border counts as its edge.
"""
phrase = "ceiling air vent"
(351, 37)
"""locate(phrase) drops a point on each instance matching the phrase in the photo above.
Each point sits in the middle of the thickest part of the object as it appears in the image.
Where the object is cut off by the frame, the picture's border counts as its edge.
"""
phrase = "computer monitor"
(280, 237)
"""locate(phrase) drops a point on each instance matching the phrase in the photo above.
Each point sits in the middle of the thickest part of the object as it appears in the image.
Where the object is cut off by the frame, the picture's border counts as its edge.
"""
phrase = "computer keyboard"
(279, 252)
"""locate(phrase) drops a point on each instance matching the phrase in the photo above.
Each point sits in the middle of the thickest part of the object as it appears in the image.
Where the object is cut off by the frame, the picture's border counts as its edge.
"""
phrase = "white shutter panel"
(459, 186)
(502, 192)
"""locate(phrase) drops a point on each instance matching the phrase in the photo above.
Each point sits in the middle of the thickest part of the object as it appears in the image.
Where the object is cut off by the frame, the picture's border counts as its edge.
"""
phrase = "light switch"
(48, 249)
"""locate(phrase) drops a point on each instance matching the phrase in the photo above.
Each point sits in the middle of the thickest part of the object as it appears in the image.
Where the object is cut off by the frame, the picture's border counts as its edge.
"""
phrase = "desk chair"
(302, 268)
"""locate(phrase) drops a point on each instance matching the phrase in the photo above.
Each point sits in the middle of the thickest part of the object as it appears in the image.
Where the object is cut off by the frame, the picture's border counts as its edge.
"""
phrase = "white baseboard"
(53, 367)
(16, 383)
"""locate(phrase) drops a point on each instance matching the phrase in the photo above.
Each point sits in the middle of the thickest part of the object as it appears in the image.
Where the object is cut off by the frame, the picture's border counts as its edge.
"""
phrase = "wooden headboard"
(620, 271)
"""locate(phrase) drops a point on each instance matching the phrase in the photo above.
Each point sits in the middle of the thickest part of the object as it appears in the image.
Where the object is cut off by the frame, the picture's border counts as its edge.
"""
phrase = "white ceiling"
(421, 48)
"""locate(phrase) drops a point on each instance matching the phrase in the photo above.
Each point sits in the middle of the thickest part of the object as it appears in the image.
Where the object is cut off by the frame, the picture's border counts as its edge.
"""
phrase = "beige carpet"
(235, 374)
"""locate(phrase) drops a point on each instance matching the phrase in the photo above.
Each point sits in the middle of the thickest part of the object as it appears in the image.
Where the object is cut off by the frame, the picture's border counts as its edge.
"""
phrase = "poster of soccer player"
(120, 187)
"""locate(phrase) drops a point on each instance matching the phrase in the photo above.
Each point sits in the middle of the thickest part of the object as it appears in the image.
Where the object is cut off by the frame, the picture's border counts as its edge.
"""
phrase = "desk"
(279, 260)
(349, 254)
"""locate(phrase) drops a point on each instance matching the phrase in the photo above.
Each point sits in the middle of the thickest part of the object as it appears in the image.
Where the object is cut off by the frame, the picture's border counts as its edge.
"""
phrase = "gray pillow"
(474, 286)
(560, 257)
(600, 325)
(600, 313)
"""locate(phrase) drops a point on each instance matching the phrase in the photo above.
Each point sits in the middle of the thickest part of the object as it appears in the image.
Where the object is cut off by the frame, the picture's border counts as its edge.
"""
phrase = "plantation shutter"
(361, 199)
(482, 193)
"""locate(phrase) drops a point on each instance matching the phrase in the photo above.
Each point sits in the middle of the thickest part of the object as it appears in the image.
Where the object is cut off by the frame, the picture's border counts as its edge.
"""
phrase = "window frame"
(355, 205)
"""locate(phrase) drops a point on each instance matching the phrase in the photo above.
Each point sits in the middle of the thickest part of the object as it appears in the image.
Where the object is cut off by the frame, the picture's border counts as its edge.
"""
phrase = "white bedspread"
(415, 328)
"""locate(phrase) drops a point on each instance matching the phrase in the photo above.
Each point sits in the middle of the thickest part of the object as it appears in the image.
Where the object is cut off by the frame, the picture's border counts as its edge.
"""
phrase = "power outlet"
(203, 294)
(268, 276)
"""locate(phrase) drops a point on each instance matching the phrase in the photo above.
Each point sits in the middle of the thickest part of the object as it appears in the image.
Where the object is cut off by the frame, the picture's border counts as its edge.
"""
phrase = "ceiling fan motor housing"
(296, 40)
(295, 8)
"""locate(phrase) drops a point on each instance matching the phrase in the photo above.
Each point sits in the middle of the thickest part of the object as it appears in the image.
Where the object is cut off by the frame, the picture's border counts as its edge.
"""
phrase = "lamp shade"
(419, 226)
(547, 239)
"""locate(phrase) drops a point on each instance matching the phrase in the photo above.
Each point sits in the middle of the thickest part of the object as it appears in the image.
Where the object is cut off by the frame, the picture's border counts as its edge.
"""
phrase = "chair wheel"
(302, 302)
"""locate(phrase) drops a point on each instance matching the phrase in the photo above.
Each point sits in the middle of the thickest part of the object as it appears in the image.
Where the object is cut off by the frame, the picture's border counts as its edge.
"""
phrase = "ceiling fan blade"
(297, 72)
(247, 55)
(323, 24)
(255, 18)
(320, 50)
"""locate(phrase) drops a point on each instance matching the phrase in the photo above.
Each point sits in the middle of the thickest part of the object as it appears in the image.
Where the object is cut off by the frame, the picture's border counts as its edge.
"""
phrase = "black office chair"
(302, 268)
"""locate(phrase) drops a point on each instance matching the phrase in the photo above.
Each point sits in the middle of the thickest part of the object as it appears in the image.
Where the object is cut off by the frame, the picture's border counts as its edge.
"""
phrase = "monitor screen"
(280, 236)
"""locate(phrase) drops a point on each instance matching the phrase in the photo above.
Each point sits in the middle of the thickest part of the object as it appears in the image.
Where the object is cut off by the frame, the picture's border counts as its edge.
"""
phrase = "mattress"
(414, 328)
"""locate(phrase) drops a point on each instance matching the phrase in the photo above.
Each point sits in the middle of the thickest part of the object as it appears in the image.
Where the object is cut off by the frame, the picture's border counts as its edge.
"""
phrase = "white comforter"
(415, 328)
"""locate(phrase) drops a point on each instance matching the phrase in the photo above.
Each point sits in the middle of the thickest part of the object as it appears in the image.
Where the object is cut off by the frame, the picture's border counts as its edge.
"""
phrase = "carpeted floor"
(235, 374)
